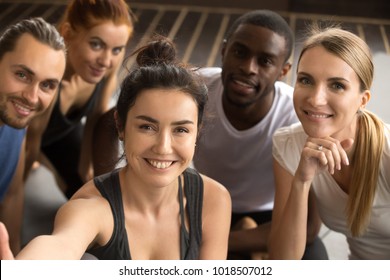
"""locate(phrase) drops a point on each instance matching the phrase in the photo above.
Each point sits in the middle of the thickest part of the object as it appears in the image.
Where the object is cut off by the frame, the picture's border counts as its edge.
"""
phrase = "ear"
(366, 95)
(119, 126)
(286, 67)
(66, 31)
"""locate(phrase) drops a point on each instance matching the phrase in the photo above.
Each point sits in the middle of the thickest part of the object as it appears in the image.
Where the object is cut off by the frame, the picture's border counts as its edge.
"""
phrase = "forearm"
(11, 214)
(48, 247)
(289, 233)
(105, 135)
(86, 156)
(85, 163)
(250, 240)
(32, 155)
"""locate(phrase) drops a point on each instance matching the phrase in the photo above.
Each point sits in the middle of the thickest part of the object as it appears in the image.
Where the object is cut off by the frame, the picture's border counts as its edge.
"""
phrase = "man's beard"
(5, 119)
(240, 105)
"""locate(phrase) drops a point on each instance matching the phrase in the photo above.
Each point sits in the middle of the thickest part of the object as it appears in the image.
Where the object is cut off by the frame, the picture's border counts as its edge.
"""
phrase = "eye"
(239, 52)
(96, 45)
(338, 86)
(181, 130)
(303, 81)
(48, 86)
(264, 60)
(21, 75)
(116, 51)
(146, 127)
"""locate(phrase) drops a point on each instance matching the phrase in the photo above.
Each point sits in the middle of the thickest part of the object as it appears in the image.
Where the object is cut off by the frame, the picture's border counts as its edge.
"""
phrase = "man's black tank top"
(117, 248)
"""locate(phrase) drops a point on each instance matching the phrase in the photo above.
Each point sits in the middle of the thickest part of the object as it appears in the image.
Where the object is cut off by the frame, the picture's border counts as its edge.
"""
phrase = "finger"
(346, 145)
(320, 153)
(338, 149)
(330, 157)
(327, 154)
(5, 250)
(334, 152)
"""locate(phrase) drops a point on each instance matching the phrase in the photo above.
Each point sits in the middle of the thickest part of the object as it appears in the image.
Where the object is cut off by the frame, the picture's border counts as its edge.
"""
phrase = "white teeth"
(319, 116)
(160, 164)
(22, 108)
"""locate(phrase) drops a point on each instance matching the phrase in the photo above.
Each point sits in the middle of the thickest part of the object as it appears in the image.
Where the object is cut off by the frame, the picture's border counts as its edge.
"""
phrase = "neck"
(69, 71)
(347, 135)
(245, 117)
(144, 198)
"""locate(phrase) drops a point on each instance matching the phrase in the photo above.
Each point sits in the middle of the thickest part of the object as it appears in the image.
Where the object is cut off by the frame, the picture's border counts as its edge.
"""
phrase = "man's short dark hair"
(37, 27)
(267, 19)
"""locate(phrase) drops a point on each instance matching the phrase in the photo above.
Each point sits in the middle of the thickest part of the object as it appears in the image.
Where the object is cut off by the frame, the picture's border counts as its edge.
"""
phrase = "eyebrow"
(336, 79)
(25, 68)
(332, 79)
(103, 42)
(150, 119)
(238, 44)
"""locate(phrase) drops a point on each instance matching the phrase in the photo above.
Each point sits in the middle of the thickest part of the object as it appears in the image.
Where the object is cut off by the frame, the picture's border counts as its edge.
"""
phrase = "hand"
(322, 153)
(5, 250)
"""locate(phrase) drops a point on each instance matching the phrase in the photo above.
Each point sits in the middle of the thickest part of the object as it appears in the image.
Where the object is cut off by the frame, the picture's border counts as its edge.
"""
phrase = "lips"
(97, 72)
(243, 86)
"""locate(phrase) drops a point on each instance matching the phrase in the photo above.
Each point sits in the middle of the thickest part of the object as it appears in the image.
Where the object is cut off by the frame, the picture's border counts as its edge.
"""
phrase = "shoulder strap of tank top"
(193, 191)
(109, 187)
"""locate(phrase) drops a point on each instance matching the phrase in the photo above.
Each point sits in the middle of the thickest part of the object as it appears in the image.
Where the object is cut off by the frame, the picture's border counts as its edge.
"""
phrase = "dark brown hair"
(36, 27)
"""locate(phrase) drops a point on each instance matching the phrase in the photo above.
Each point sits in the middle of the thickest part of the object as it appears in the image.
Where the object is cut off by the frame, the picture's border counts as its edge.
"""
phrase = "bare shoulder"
(87, 202)
(215, 192)
(88, 190)
(88, 197)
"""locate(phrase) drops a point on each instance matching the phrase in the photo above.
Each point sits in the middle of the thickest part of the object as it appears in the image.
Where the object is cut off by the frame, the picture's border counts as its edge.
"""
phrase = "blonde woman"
(333, 165)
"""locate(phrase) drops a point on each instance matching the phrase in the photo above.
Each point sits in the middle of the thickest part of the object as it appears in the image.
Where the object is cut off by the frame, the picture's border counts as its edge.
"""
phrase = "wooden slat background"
(198, 31)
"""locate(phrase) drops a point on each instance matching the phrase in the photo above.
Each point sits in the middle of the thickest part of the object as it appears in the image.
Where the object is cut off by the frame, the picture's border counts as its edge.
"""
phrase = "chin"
(314, 132)
(91, 79)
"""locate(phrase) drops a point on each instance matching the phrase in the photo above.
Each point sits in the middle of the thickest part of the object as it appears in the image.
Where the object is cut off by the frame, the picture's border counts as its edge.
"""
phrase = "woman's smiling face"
(94, 52)
(160, 135)
(327, 95)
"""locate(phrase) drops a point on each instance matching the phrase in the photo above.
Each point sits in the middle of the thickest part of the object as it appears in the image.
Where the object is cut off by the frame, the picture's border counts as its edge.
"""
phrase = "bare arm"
(5, 250)
(216, 221)
(102, 106)
(11, 208)
(290, 216)
(35, 131)
(78, 224)
(250, 240)
(105, 135)
(295, 219)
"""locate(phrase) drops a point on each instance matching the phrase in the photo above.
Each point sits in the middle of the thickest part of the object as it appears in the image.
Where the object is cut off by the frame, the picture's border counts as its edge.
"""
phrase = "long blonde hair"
(370, 136)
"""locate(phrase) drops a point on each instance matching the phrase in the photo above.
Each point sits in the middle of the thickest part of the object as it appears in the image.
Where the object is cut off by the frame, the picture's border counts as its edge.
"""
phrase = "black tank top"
(60, 125)
(117, 248)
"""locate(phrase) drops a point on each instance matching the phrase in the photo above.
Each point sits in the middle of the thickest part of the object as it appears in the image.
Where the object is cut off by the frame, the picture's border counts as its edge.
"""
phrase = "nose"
(30, 93)
(250, 65)
(318, 96)
(163, 143)
(105, 58)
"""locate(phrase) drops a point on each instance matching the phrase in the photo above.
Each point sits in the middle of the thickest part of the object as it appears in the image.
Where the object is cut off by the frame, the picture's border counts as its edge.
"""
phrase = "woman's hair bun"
(158, 51)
